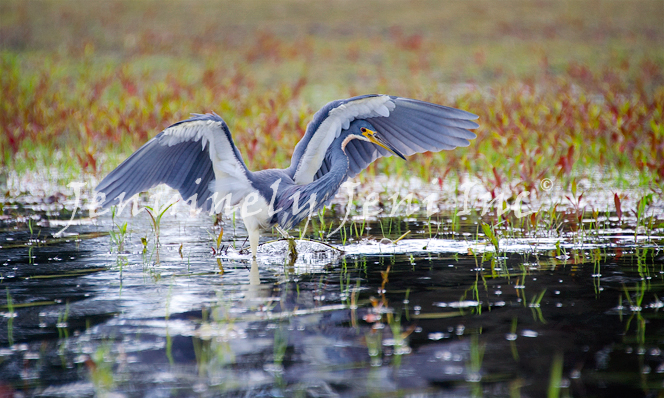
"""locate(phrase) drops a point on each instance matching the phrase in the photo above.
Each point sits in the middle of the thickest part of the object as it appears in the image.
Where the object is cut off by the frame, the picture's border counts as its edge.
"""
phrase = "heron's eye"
(363, 130)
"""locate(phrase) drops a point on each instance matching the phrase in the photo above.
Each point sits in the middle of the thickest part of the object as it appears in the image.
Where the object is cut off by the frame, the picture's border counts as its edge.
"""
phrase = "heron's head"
(369, 134)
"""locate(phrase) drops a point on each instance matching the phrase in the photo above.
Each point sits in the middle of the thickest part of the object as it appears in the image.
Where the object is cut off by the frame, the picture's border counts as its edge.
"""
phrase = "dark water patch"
(43, 292)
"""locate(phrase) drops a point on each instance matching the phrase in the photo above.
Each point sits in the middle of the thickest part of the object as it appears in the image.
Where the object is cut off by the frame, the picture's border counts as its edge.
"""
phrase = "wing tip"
(475, 125)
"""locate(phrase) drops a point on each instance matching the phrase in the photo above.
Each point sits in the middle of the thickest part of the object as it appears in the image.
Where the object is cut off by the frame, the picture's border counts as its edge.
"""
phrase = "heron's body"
(199, 159)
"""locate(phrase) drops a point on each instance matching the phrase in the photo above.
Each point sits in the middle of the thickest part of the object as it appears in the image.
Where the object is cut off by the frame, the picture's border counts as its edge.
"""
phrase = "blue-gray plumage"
(197, 157)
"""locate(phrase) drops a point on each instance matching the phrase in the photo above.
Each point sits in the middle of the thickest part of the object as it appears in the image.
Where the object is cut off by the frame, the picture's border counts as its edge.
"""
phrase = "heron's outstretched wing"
(410, 126)
(188, 156)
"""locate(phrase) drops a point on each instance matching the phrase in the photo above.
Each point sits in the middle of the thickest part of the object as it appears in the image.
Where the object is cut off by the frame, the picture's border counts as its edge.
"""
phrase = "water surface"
(439, 313)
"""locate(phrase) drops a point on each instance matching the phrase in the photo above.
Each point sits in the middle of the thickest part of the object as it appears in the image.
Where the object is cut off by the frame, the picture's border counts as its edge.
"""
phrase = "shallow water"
(438, 313)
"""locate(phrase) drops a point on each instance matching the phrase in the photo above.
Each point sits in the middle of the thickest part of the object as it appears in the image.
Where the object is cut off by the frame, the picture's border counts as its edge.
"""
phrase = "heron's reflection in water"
(254, 276)
(256, 296)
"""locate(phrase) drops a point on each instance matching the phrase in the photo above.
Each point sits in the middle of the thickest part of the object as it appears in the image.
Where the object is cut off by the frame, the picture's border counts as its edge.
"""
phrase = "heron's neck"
(338, 172)
(313, 196)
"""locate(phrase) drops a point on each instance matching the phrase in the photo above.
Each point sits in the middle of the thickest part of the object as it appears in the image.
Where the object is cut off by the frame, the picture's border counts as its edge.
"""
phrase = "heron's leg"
(283, 232)
(254, 234)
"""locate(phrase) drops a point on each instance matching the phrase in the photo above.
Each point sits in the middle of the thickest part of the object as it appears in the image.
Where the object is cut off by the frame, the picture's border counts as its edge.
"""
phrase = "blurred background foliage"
(564, 89)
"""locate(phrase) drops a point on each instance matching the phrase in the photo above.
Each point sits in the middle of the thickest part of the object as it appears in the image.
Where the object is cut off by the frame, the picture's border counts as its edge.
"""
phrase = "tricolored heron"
(197, 157)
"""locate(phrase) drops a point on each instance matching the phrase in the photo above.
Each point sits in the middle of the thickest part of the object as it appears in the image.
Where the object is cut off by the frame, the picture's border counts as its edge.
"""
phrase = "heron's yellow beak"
(372, 136)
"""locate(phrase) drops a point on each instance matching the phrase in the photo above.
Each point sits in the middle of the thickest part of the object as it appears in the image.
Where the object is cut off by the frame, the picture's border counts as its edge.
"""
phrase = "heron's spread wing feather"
(411, 127)
(326, 125)
(188, 156)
